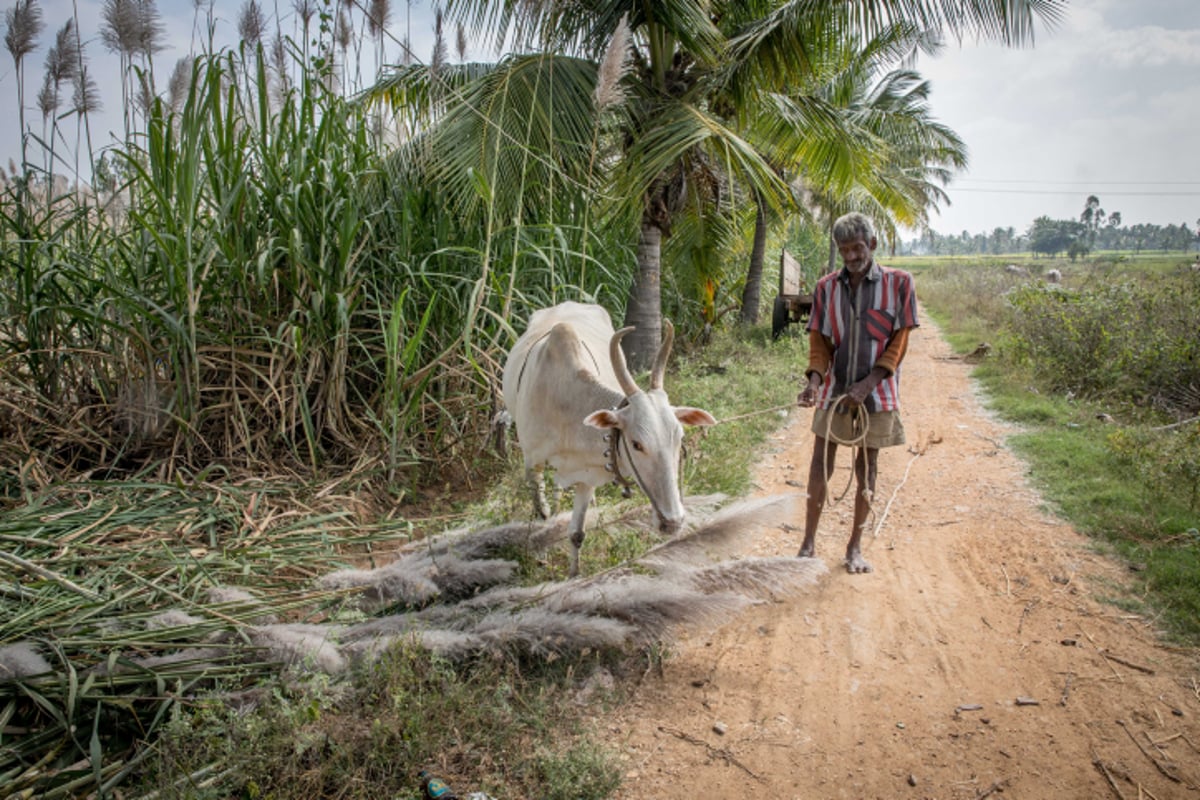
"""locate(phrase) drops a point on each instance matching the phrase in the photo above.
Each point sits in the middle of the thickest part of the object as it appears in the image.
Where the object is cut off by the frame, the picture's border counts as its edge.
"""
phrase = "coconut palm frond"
(530, 124)
(679, 129)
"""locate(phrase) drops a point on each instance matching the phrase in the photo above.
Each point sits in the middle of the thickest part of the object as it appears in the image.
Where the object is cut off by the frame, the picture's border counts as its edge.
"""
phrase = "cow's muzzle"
(669, 526)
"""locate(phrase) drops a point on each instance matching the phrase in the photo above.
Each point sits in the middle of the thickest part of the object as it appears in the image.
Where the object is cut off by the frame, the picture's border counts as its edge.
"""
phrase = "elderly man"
(858, 333)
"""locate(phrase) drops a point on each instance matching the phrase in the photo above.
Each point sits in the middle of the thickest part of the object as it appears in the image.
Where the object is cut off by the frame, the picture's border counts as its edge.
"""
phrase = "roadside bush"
(1132, 342)
(1163, 458)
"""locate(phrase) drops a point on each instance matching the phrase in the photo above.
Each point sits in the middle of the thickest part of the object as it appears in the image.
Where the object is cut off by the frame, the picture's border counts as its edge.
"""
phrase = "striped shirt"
(858, 326)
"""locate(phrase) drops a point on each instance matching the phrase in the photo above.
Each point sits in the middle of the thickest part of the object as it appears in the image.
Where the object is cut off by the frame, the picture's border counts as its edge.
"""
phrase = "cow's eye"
(638, 446)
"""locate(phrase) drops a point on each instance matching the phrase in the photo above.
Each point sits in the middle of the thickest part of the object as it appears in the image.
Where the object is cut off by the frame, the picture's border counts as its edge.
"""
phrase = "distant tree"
(1053, 236)
(1092, 218)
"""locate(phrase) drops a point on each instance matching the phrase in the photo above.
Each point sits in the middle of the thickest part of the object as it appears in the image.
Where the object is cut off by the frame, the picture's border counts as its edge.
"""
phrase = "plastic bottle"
(434, 788)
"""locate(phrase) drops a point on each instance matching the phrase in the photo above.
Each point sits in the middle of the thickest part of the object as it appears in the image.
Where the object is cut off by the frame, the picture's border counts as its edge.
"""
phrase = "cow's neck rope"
(613, 452)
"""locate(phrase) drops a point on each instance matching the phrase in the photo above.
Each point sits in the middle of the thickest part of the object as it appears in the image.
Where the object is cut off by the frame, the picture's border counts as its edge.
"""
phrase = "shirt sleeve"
(820, 353)
(893, 354)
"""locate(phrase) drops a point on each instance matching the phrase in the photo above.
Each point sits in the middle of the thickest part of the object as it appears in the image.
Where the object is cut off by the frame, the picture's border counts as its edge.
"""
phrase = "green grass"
(741, 375)
(497, 726)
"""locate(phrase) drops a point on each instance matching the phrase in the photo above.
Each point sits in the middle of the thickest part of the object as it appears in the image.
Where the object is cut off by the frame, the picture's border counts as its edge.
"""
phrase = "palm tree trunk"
(753, 289)
(644, 309)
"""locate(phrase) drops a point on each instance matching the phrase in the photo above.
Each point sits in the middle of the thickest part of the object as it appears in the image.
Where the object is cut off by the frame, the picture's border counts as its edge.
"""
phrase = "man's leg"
(817, 487)
(864, 473)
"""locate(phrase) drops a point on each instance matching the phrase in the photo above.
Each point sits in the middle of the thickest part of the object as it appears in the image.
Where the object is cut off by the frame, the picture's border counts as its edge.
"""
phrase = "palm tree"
(698, 67)
(852, 141)
(1092, 218)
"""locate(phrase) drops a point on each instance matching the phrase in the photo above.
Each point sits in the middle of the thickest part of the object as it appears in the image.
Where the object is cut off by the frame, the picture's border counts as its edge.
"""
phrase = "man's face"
(857, 254)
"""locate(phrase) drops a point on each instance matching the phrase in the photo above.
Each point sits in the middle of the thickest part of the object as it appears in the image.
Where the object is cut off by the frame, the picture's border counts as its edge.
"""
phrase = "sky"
(1106, 103)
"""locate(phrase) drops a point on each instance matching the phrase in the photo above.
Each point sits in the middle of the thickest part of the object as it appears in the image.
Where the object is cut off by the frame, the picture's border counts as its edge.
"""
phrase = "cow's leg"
(583, 499)
(536, 478)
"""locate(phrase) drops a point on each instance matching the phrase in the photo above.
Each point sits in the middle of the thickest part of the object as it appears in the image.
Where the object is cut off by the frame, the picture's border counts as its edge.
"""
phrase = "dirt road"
(975, 661)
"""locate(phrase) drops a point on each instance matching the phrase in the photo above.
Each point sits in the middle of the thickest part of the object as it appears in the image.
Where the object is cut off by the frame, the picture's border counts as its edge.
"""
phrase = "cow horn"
(664, 350)
(628, 386)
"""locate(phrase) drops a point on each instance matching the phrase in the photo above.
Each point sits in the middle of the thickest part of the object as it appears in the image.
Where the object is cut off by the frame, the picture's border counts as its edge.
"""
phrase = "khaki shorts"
(884, 428)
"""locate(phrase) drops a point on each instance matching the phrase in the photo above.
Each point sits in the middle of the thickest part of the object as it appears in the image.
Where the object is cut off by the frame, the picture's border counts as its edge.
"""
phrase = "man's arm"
(820, 354)
(893, 354)
(887, 364)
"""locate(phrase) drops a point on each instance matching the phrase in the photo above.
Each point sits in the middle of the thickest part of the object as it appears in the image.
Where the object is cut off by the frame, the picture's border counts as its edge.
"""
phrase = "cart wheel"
(779, 317)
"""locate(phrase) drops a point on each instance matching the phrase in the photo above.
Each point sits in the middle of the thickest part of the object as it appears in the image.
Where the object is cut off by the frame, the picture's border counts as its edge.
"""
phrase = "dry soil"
(979, 659)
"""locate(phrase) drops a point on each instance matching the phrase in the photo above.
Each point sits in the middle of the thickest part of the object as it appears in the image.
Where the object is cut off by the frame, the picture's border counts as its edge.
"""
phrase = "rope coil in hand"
(860, 424)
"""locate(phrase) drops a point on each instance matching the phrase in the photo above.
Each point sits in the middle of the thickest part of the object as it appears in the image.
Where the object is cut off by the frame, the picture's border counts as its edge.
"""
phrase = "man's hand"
(861, 390)
(808, 397)
(859, 393)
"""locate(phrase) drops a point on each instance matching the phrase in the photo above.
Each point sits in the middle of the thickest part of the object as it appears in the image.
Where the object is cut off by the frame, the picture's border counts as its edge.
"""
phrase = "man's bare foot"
(856, 564)
(807, 549)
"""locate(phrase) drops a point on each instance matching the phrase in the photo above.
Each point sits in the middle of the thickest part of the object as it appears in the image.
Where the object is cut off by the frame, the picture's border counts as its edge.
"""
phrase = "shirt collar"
(873, 274)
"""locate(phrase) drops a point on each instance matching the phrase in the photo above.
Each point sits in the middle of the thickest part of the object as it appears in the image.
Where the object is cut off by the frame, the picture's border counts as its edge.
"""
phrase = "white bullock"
(577, 409)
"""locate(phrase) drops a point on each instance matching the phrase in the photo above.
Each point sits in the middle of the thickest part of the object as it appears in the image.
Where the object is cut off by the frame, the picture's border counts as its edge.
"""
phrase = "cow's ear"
(602, 419)
(694, 416)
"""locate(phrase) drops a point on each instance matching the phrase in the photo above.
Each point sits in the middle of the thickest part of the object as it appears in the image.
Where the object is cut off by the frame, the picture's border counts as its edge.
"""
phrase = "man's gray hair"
(853, 226)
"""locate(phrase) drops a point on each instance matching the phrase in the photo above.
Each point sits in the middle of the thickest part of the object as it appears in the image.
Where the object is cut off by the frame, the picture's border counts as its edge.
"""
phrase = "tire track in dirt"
(978, 598)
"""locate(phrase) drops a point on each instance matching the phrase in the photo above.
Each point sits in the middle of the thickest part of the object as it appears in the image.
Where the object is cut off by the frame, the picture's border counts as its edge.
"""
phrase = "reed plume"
(251, 23)
(379, 16)
(62, 65)
(613, 68)
(179, 83)
(24, 23)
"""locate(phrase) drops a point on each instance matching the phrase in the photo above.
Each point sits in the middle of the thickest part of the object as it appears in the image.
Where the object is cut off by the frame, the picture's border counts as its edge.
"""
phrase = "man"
(858, 334)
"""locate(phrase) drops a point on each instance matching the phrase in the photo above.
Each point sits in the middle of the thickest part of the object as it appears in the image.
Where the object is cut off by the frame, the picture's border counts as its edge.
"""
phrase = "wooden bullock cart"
(794, 301)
